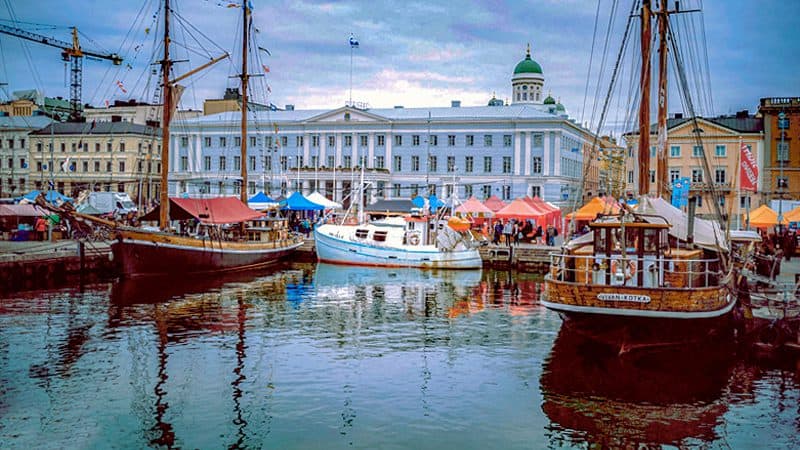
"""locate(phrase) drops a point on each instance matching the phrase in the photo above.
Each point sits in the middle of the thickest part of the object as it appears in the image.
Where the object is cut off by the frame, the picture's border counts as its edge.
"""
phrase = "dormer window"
(347, 116)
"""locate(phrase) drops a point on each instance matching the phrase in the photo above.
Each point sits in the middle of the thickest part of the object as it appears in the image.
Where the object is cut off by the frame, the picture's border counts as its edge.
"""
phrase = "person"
(40, 228)
(498, 231)
(306, 226)
(538, 235)
(508, 228)
(517, 232)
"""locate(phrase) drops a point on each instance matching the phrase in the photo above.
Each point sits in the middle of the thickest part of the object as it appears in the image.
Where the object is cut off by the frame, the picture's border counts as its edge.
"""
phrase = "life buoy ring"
(631, 266)
(413, 239)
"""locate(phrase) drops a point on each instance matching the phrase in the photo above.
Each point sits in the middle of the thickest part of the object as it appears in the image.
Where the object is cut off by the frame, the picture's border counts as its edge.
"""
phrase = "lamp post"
(781, 118)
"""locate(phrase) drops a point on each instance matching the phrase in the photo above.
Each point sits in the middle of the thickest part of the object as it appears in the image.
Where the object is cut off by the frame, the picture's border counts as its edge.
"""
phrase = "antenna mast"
(166, 68)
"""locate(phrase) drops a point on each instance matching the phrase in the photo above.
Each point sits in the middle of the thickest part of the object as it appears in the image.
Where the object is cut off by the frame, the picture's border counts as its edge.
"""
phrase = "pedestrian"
(538, 234)
(517, 233)
(508, 228)
(498, 231)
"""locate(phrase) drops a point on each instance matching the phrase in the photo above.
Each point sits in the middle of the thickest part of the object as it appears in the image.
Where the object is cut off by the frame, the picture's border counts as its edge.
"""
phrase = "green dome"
(549, 101)
(528, 65)
(560, 107)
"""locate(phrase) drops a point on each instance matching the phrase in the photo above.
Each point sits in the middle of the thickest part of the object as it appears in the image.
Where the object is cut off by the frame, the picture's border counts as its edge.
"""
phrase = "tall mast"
(166, 67)
(662, 185)
(644, 106)
(244, 77)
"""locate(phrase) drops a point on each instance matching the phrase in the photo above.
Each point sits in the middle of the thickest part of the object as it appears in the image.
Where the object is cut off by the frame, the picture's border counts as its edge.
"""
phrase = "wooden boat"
(398, 242)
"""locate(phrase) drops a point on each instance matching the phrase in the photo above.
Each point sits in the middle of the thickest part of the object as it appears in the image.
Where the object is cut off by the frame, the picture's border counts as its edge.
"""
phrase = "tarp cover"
(50, 196)
(590, 210)
(207, 210)
(261, 201)
(316, 197)
(494, 203)
(296, 202)
(21, 211)
(475, 207)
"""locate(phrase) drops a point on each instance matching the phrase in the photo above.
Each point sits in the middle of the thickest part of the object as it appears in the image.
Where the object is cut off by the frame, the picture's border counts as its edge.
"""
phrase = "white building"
(529, 147)
(15, 156)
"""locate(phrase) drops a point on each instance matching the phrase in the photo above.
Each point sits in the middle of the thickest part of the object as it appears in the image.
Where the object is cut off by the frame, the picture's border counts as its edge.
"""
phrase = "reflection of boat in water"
(593, 395)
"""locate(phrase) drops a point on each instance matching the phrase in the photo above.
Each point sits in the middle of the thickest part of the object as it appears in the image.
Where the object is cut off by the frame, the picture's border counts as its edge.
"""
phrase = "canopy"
(494, 203)
(50, 196)
(21, 211)
(793, 215)
(261, 201)
(316, 197)
(519, 209)
(553, 212)
(590, 210)
(475, 207)
(207, 210)
(764, 217)
(296, 202)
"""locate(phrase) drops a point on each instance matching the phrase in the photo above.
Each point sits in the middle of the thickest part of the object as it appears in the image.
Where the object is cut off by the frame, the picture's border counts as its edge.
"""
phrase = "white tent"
(320, 199)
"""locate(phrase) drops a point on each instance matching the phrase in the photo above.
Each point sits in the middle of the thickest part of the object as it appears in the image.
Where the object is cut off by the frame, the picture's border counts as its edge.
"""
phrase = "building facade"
(721, 139)
(529, 147)
(107, 156)
(15, 152)
(611, 177)
(781, 147)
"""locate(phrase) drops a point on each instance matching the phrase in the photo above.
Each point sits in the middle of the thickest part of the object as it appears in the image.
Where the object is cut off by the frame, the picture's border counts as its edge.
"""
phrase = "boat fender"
(413, 239)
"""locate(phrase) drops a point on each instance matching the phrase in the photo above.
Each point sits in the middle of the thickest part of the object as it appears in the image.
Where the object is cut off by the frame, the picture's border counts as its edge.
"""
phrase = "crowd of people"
(511, 232)
(773, 249)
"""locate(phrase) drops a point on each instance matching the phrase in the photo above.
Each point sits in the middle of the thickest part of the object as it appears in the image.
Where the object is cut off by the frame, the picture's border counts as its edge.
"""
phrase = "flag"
(65, 166)
(353, 41)
(748, 169)
(121, 87)
(265, 67)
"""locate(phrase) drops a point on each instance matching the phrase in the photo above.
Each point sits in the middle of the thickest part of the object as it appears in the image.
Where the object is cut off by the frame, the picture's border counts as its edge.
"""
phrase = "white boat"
(398, 242)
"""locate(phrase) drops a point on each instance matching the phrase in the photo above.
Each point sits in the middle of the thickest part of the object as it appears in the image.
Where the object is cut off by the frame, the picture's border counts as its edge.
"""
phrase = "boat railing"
(634, 271)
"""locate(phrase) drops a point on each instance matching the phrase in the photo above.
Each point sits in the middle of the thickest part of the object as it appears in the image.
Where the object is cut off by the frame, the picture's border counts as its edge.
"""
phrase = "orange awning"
(793, 215)
(765, 217)
(519, 209)
(590, 210)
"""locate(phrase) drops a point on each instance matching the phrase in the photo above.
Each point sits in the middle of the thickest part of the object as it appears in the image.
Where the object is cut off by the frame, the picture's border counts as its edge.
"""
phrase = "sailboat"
(650, 274)
(141, 252)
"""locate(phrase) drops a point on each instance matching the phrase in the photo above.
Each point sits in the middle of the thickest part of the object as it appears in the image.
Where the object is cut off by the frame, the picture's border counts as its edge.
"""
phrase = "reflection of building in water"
(665, 398)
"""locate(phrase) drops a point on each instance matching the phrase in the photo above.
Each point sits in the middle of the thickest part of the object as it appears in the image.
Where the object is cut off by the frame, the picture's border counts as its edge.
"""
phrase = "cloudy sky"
(411, 53)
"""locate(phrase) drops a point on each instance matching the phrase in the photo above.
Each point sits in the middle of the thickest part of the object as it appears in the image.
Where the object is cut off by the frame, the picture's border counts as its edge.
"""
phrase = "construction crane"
(71, 52)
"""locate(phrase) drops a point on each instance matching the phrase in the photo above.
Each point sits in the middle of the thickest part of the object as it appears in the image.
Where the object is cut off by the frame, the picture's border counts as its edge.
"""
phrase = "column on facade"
(198, 153)
(547, 168)
(339, 143)
(517, 144)
(306, 187)
(557, 154)
(306, 150)
(337, 191)
(388, 151)
(371, 150)
(175, 153)
(354, 149)
(323, 150)
(527, 137)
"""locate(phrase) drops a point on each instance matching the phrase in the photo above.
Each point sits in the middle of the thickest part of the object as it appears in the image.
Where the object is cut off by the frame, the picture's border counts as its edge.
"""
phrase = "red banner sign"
(748, 173)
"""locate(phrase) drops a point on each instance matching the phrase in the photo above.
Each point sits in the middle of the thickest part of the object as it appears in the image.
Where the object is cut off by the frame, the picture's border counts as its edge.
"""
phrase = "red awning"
(208, 210)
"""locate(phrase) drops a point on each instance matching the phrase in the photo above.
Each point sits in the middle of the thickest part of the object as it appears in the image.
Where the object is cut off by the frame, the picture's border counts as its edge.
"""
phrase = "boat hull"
(149, 254)
(336, 250)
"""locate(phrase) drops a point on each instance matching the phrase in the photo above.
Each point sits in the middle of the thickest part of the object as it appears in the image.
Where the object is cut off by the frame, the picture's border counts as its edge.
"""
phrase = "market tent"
(554, 212)
(22, 211)
(51, 197)
(494, 203)
(765, 217)
(316, 197)
(218, 210)
(474, 207)
(793, 215)
(296, 202)
(590, 210)
(261, 201)
(519, 209)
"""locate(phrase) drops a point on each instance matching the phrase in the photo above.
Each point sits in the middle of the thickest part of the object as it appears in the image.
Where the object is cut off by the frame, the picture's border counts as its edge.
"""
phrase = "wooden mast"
(662, 184)
(166, 97)
(644, 106)
(244, 77)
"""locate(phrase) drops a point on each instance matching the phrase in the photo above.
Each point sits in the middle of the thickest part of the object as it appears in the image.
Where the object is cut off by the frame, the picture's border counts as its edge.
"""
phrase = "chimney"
(289, 107)
(455, 103)
(743, 114)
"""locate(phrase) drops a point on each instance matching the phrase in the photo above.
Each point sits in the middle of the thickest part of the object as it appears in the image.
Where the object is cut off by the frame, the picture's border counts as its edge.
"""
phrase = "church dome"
(528, 65)
(549, 100)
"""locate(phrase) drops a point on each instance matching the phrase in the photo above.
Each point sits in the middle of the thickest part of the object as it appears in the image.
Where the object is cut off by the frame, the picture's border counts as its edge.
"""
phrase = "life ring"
(413, 239)
(631, 266)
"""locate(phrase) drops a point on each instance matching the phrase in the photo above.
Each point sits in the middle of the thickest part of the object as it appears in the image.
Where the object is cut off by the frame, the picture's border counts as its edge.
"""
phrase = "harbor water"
(320, 356)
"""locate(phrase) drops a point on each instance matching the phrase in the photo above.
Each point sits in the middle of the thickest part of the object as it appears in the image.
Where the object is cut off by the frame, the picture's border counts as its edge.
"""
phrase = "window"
(251, 187)
(414, 190)
(268, 162)
(536, 191)
(222, 142)
(97, 166)
(487, 140)
(85, 166)
(487, 191)
(722, 202)
(207, 163)
(630, 152)
(396, 190)
(222, 163)
(381, 140)
(744, 201)
(38, 166)
(315, 141)
(630, 176)
(506, 164)
(434, 140)
(108, 167)
(432, 163)
(674, 151)
(470, 140)
(331, 160)
(39, 147)
(207, 141)
(653, 151)
(331, 141)
(184, 163)
(348, 141)
(538, 139)
(415, 140)
(699, 200)
(252, 165)
(451, 140)
(415, 163)
(284, 141)
(782, 182)
(697, 175)
(783, 124)
(122, 166)
(652, 176)
(398, 163)
(720, 151)
(506, 192)
(347, 161)
(64, 147)
(697, 151)
(487, 163)
(451, 163)
(10, 143)
(184, 141)
(252, 141)
(469, 164)
(783, 152)
(719, 175)
(362, 140)
(380, 162)
(537, 164)
(284, 163)
(299, 161)
(398, 140)
(506, 140)
(298, 141)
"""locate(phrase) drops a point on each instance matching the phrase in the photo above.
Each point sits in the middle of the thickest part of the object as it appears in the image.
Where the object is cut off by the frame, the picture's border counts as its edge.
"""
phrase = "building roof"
(528, 65)
(83, 128)
(23, 122)
(749, 124)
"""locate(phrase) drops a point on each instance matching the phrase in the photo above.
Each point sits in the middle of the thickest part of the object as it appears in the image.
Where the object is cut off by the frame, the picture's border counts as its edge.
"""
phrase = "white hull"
(336, 244)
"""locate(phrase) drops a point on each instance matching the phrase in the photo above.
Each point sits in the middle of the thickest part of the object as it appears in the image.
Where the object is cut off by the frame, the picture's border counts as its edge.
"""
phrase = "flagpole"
(350, 103)
(739, 186)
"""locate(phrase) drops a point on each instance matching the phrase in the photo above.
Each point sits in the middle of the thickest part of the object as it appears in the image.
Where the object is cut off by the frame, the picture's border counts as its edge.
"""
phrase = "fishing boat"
(229, 236)
(650, 274)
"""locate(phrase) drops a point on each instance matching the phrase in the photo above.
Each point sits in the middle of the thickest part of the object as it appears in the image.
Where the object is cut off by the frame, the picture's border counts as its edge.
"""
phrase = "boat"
(229, 236)
(416, 240)
(649, 274)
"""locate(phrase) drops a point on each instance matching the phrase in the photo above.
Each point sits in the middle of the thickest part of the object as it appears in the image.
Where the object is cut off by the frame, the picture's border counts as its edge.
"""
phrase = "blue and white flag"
(353, 41)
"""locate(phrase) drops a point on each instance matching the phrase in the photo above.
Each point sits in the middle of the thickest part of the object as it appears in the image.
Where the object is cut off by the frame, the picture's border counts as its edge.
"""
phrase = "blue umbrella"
(418, 201)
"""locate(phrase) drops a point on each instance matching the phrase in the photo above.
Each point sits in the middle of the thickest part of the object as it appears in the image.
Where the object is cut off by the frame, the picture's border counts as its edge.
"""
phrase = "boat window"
(600, 240)
(632, 239)
(651, 240)
(379, 236)
(361, 233)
